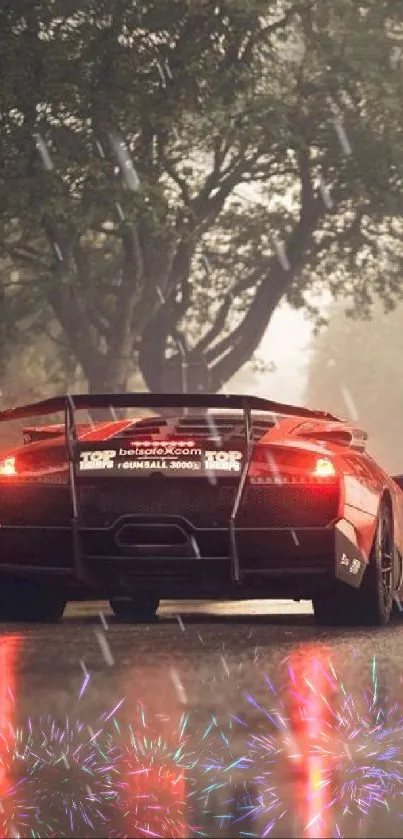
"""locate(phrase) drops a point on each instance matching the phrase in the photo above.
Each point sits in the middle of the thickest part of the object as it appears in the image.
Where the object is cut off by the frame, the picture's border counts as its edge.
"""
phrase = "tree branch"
(221, 317)
(23, 255)
(173, 174)
(121, 326)
(237, 348)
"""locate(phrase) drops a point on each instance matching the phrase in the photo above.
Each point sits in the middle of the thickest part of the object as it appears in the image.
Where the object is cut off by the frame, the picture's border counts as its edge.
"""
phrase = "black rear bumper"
(274, 562)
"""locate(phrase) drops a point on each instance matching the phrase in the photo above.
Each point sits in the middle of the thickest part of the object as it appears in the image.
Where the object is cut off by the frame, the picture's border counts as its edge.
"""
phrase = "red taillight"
(324, 468)
(282, 465)
(8, 467)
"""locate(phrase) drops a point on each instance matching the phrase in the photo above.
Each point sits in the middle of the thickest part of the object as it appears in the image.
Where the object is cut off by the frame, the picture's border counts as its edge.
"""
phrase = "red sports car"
(195, 496)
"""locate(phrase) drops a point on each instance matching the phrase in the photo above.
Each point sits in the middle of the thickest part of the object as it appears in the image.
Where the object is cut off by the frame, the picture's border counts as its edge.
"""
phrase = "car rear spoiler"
(69, 404)
(88, 402)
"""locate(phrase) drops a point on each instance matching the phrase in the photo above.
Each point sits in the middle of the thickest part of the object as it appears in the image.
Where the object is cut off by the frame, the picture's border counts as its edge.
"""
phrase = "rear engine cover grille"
(35, 505)
(208, 505)
(207, 427)
(289, 506)
(199, 501)
(202, 503)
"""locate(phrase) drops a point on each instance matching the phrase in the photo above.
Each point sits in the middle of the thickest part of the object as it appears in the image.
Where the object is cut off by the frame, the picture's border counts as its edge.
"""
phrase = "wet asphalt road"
(218, 722)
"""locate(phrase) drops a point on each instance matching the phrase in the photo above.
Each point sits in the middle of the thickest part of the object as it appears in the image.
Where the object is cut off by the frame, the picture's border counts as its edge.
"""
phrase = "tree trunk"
(107, 377)
(103, 379)
(193, 374)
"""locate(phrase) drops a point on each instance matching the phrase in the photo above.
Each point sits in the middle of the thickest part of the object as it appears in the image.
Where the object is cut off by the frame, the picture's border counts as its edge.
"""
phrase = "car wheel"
(372, 603)
(24, 601)
(140, 608)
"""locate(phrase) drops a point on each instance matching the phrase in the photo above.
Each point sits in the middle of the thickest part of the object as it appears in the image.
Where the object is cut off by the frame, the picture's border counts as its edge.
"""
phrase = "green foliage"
(355, 371)
(128, 132)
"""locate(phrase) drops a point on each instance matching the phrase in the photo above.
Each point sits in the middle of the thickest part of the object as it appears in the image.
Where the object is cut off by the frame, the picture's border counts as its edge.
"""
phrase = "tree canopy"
(128, 136)
(354, 371)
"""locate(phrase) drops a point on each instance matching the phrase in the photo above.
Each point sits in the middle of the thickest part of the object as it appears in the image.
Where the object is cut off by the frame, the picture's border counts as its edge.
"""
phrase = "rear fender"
(363, 497)
(364, 527)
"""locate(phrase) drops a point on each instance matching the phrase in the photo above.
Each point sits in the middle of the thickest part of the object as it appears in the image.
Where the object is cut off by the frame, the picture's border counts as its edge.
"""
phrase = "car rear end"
(187, 503)
(165, 502)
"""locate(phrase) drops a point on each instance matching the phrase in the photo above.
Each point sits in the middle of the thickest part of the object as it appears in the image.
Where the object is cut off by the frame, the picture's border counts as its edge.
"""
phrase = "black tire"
(23, 601)
(139, 608)
(372, 603)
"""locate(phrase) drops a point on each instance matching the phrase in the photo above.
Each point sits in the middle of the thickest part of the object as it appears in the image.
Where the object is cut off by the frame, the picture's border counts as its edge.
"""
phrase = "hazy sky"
(286, 342)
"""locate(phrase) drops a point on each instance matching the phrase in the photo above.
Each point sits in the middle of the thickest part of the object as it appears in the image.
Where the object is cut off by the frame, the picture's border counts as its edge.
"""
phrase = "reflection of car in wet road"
(227, 725)
(209, 496)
